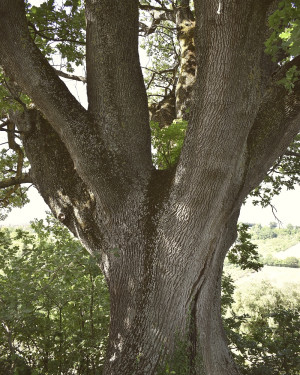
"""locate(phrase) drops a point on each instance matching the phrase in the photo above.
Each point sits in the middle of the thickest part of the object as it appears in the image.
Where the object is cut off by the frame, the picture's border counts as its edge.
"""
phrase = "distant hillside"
(276, 245)
(293, 251)
(271, 239)
(12, 227)
(279, 250)
(277, 276)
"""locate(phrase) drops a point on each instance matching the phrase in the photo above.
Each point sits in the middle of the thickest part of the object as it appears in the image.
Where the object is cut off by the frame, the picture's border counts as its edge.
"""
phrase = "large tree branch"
(115, 86)
(70, 76)
(24, 63)
(276, 124)
(23, 179)
(226, 99)
(54, 175)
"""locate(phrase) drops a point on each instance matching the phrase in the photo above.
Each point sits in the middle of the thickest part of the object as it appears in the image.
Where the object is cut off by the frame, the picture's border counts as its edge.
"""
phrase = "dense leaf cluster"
(244, 252)
(59, 30)
(167, 143)
(54, 303)
(264, 331)
(284, 22)
(11, 100)
(284, 42)
(262, 323)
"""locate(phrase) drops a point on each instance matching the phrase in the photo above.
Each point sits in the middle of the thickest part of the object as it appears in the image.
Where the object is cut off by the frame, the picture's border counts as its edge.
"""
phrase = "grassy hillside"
(271, 239)
(272, 245)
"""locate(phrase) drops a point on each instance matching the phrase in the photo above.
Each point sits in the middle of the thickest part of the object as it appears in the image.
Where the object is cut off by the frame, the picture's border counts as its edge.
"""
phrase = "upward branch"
(24, 63)
(276, 123)
(53, 174)
(115, 86)
(226, 99)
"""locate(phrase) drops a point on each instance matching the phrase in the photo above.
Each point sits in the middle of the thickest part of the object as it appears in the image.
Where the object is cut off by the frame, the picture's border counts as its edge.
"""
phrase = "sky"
(287, 203)
(287, 206)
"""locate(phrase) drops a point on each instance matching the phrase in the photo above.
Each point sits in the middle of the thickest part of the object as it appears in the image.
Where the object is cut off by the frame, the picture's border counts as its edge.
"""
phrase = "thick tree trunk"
(164, 284)
(173, 306)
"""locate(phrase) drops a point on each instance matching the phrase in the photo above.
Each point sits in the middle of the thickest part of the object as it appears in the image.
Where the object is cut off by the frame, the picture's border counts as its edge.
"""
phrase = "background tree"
(160, 236)
(264, 330)
(54, 303)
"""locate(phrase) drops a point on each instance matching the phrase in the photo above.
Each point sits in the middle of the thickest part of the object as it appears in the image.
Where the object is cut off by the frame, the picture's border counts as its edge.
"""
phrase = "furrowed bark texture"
(185, 23)
(177, 104)
(160, 236)
(115, 86)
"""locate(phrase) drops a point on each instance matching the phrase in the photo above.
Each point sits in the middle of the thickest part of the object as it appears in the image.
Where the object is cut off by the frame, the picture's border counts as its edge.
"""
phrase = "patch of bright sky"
(287, 203)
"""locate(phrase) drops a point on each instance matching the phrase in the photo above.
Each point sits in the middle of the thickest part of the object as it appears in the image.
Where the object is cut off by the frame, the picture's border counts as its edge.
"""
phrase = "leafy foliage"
(15, 196)
(290, 79)
(54, 303)
(54, 310)
(244, 252)
(262, 322)
(162, 50)
(167, 143)
(270, 240)
(11, 97)
(284, 173)
(264, 331)
(11, 100)
(284, 41)
(59, 29)
(274, 339)
(292, 262)
(227, 292)
(259, 232)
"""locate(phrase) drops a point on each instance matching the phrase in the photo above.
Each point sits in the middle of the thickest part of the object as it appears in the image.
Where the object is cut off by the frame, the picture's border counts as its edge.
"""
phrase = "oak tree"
(160, 235)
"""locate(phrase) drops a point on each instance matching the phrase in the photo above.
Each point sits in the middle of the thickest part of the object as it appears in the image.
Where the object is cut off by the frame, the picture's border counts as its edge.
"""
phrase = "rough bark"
(177, 104)
(164, 112)
(185, 24)
(160, 236)
(115, 87)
